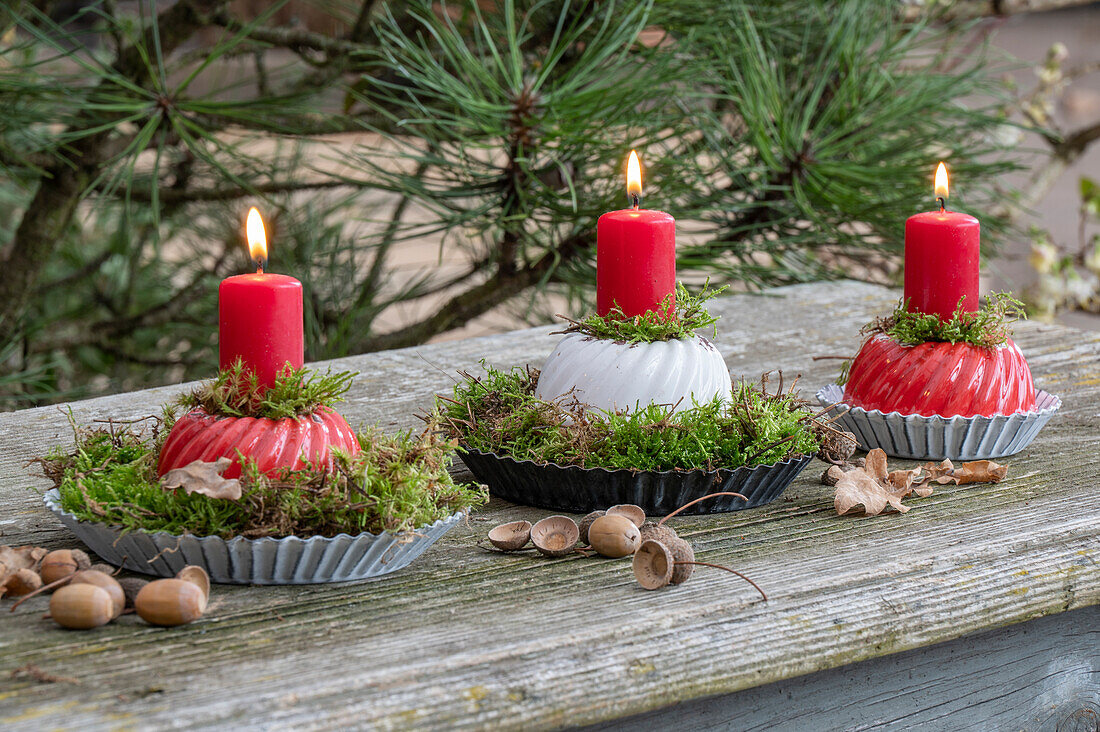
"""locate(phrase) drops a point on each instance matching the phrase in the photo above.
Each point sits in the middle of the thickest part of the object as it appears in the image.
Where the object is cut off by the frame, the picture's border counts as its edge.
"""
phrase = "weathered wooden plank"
(464, 638)
(1043, 675)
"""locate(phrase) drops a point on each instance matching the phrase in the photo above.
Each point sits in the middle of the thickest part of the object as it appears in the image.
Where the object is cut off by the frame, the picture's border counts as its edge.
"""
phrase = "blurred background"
(434, 170)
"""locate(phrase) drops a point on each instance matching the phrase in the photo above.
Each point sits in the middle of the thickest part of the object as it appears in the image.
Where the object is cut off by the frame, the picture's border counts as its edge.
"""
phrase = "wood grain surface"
(468, 639)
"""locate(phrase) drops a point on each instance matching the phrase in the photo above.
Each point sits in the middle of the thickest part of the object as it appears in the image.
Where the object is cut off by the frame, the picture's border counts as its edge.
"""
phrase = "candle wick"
(943, 204)
(260, 263)
(637, 200)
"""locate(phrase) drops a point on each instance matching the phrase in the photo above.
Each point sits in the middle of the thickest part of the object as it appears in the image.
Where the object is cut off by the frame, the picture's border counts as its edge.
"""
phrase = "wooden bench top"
(465, 638)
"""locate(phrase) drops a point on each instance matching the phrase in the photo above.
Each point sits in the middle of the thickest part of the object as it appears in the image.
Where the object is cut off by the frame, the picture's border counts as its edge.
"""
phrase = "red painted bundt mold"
(272, 443)
(945, 379)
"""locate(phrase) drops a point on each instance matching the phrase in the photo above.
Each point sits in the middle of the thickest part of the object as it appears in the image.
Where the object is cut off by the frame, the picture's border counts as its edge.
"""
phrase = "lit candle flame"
(257, 238)
(941, 181)
(634, 177)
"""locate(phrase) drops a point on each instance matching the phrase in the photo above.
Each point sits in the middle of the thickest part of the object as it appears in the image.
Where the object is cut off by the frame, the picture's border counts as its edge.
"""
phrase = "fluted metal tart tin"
(920, 437)
(574, 489)
(240, 561)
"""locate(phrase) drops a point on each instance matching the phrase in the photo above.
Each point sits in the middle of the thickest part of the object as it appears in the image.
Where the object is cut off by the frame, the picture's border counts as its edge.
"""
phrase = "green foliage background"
(789, 138)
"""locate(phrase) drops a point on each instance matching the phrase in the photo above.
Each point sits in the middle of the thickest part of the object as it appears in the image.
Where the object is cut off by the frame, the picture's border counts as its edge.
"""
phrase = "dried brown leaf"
(980, 471)
(21, 557)
(938, 473)
(205, 478)
(976, 471)
(876, 464)
(859, 488)
(902, 480)
(834, 474)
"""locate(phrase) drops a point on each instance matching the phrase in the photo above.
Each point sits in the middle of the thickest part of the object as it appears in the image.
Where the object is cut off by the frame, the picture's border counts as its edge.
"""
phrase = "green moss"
(670, 322)
(236, 392)
(988, 327)
(397, 483)
(499, 413)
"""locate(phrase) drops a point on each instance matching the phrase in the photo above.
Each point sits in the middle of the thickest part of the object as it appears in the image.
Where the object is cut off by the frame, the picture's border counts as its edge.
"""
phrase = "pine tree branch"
(293, 39)
(362, 22)
(480, 299)
(229, 193)
(60, 189)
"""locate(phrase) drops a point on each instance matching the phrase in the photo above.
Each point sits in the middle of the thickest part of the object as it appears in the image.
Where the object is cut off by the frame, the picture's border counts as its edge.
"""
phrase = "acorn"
(635, 513)
(586, 523)
(106, 569)
(652, 531)
(653, 565)
(682, 551)
(170, 602)
(614, 536)
(21, 582)
(107, 583)
(555, 536)
(197, 576)
(62, 563)
(512, 536)
(81, 606)
(131, 586)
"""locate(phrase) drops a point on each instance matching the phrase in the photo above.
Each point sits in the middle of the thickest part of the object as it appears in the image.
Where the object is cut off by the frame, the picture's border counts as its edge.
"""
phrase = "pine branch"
(173, 195)
(51, 210)
(293, 39)
(480, 299)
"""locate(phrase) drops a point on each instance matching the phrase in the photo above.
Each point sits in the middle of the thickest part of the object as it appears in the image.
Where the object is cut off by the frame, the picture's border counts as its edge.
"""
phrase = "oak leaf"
(857, 488)
(872, 487)
(976, 471)
(205, 478)
(17, 563)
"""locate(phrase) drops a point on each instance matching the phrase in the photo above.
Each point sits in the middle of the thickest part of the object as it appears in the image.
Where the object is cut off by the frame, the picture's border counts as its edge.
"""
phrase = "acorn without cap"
(105, 582)
(81, 606)
(170, 602)
(555, 536)
(614, 536)
(511, 536)
(62, 563)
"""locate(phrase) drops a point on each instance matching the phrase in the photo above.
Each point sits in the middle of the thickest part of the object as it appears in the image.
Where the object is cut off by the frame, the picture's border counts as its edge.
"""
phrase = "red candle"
(941, 258)
(635, 254)
(260, 315)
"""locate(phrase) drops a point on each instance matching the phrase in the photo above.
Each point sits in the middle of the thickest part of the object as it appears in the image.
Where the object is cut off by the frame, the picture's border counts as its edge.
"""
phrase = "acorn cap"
(635, 513)
(653, 565)
(836, 446)
(511, 536)
(681, 552)
(614, 536)
(586, 522)
(663, 533)
(555, 536)
(131, 586)
(197, 576)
